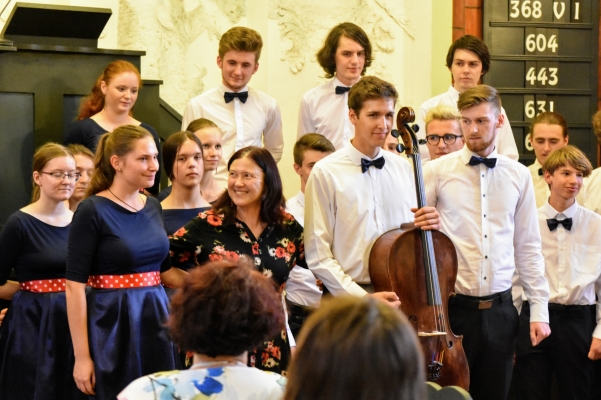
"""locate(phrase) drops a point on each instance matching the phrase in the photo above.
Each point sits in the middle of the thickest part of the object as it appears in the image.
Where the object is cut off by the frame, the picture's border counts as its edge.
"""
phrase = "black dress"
(87, 132)
(275, 252)
(35, 343)
(127, 337)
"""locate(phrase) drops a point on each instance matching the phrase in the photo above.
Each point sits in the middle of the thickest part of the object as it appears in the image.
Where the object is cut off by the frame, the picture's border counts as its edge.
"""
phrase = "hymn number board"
(544, 58)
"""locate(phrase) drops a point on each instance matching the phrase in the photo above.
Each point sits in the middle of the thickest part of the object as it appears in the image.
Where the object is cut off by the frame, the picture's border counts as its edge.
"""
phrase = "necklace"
(215, 364)
(133, 208)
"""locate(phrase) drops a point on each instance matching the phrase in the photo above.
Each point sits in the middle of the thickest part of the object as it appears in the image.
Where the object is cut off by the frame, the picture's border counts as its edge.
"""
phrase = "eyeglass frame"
(444, 139)
(62, 177)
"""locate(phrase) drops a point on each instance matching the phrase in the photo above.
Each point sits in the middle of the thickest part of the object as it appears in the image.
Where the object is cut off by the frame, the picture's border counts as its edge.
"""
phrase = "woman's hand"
(2, 314)
(84, 376)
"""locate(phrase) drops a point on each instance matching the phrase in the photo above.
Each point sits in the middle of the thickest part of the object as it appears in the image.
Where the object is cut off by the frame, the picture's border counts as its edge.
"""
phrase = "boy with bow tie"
(570, 235)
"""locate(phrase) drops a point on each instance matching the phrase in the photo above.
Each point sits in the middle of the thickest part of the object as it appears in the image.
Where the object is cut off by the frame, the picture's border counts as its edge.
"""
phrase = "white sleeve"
(291, 340)
(273, 137)
(320, 219)
(506, 141)
(189, 115)
(305, 121)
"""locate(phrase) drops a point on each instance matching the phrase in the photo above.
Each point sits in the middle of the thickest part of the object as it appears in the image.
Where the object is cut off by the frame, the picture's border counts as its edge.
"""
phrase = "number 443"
(532, 76)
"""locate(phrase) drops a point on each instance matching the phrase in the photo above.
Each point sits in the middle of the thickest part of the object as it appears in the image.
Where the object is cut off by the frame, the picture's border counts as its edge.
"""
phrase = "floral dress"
(276, 251)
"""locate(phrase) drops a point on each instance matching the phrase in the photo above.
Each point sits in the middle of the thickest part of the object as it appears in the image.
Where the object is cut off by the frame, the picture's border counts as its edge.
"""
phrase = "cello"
(420, 266)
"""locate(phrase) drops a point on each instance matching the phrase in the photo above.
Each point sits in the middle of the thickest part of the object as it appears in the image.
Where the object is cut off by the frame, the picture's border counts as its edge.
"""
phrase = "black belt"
(298, 310)
(481, 303)
(566, 307)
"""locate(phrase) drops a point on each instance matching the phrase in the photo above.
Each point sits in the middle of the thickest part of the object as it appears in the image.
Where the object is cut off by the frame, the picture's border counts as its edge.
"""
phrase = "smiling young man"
(246, 117)
(570, 235)
(548, 132)
(358, 193)
(345, 56)
(468, 60)
(443, 131)
(487, 208)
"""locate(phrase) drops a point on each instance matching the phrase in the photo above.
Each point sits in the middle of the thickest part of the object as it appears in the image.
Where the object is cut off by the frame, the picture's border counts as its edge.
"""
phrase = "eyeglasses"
(59, 175)
(447, 139)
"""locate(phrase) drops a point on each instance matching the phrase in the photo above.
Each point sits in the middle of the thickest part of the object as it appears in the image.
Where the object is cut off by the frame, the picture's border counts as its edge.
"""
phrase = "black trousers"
(488, 340)
(564, 353)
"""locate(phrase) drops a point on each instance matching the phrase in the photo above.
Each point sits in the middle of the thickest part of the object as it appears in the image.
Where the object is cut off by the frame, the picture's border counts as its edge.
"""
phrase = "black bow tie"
(489, 162)
(378, 163)
(540, 172)
(342, 89)
(229, 96)
(553, 223)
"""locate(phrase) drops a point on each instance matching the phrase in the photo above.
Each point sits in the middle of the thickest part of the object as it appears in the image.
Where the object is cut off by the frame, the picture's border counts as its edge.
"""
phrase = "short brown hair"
(568, 155)
(326, 56)
(356, 348)
(311, 141)
(549, 118)
(370, 88)
(200, 123)
(597, 125)
(225, 308)
(473, 44)
(477, 95)
(241, 38)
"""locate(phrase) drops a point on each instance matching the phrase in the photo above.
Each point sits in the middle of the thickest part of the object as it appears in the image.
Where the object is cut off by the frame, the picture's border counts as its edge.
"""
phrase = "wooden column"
(467, 18)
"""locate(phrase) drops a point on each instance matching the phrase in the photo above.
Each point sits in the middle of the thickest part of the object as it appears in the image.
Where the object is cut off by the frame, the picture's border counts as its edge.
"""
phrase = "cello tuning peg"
(422, 141)
(395, 133)
(415, 128)
(401, 148)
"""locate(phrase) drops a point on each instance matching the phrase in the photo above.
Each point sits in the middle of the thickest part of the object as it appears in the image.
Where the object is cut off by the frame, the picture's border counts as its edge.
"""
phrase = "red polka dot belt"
(44, 286)
(125, 281)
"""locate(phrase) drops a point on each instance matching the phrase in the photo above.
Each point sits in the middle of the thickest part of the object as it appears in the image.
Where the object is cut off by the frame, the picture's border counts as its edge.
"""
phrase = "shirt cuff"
(539, 312)
(355, 290)
(597, 332)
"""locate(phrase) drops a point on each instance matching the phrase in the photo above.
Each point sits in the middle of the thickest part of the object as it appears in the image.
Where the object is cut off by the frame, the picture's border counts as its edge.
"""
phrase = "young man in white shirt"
(468, 60)
(303, 294)
(358, 193)
(548, 132)
(591, 193)
(487, 208)
(570, 237)
(443, 131)
(345, 56)
(245, 116)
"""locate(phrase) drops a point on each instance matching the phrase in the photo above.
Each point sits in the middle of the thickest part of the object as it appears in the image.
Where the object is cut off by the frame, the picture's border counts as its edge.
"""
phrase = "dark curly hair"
(273, 202)
(326, 56)
(225, 309)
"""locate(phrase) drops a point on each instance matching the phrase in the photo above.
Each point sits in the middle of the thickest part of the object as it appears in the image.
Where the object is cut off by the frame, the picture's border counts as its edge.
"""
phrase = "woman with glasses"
(35, 345)
(443, 131)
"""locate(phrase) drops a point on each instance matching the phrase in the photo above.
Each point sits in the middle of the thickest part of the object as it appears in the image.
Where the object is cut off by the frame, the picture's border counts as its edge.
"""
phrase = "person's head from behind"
(211, 139)
(225, 309)
(238, 59)
(182, 158)
(356, 348)
(481, 117)
(253, 183)
(116, 90)
(548, 132)
(346, 53)
(371, 110)
(84, 160)
(597, 125)
(54, 173)
(468, 59)
(564, 171)
(128, 154)
(443, 131)
(309, 149)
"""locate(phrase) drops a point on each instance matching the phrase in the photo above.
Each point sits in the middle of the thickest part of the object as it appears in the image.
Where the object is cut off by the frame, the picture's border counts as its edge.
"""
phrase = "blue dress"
(127, 337)
(176, 218)
(35, 343)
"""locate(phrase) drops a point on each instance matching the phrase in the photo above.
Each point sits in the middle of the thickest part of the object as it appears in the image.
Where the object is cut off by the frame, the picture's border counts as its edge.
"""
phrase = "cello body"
(396, 267)
(420, 266)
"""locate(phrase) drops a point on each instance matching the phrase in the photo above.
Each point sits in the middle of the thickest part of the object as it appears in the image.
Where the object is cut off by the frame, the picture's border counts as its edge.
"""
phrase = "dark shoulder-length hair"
(272, 199)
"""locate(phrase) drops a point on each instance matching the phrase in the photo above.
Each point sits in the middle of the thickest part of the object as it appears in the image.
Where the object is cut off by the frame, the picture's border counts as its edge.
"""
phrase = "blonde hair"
(597, 125)
(42, 156)
(442, 113)
(568, 155)
(480, 94)
(119, 142)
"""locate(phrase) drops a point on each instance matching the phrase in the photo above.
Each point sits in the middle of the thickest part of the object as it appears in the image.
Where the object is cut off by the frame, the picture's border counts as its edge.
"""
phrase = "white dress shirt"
(573, 258)
(490, 216)
(505, 142)
(301, 287)
(325, 112)
(258, 122)
(541, 187)
(591, 191)
(347, 211)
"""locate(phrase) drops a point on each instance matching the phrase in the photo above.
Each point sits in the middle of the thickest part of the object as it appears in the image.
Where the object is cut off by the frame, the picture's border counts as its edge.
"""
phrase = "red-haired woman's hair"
(94, 102)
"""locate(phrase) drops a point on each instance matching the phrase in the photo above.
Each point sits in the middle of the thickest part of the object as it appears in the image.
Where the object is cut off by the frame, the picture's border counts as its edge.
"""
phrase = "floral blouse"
(206, 238)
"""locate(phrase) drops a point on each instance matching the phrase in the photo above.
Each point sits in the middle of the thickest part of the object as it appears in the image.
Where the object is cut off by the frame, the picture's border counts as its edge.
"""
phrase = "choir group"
(107, 301)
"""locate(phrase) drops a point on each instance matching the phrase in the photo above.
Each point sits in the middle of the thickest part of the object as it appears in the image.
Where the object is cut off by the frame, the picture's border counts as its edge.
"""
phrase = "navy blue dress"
(87, 132)
(35, 343)
(176, 218)
(127, 337)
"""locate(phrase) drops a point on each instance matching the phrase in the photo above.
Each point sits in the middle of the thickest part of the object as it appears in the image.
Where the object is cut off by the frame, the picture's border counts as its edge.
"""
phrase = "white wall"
(180, 37)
